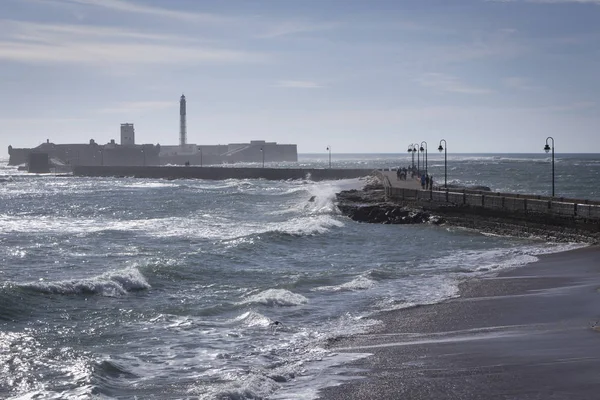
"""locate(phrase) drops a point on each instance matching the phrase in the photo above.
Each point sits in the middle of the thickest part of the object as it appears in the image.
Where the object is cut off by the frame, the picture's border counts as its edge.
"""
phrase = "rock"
(369, 205)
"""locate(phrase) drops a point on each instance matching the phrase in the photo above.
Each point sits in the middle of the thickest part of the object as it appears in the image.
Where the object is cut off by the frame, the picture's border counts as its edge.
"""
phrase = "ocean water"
(129, 288)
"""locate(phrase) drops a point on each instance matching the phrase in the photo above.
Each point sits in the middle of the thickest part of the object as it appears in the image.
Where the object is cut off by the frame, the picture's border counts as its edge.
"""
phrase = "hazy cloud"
(294, 27)
(448, 83)
(100, 46)
(138, 8)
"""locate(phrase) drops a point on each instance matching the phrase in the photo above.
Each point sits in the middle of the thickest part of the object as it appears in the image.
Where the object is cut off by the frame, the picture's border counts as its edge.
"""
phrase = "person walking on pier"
(423, 181)
(431, 182)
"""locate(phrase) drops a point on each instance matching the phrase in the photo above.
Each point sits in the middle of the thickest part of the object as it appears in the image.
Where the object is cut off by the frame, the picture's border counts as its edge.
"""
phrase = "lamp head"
(440, 148)
(546, 148)
(422, 149)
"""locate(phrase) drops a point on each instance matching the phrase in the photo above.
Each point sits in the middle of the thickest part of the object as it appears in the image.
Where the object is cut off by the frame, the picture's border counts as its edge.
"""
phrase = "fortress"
(128, 153)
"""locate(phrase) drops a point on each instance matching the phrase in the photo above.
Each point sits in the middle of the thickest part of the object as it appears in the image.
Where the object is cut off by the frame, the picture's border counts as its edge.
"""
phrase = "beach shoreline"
(525, 333)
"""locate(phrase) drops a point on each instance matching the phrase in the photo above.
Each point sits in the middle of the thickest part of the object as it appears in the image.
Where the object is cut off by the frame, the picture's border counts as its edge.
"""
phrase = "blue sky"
(361, 76)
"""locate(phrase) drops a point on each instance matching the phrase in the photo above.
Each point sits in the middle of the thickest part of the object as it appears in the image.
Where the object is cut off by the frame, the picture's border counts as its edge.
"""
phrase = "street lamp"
(329, 149)
(411, 149)
(424, 149)
(445, 150)
(547, 149)
(416, 148)
(263, 156)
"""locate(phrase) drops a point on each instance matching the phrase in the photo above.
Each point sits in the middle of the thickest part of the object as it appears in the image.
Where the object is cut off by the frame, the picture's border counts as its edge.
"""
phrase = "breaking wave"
(110, 284)
(276, 298)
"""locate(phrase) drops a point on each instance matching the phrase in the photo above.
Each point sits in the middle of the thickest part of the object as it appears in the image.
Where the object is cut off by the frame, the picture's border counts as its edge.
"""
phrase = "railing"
(512, 202)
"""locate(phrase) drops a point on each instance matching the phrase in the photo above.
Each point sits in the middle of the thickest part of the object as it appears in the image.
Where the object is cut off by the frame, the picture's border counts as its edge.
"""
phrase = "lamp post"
(415, 147)
(547, 148)
(263, 156)
(411, 149)
(329, 149)
(424, 149)
(445, 150)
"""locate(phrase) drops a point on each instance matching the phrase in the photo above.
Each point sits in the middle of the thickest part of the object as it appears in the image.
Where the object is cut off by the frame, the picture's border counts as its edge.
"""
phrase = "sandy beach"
(528, 333)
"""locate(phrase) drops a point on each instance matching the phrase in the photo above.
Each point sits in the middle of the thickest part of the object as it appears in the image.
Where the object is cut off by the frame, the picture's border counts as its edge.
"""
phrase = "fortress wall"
(18, 156)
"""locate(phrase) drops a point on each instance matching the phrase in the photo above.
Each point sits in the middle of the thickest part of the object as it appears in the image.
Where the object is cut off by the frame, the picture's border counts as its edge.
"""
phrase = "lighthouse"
(182, 123)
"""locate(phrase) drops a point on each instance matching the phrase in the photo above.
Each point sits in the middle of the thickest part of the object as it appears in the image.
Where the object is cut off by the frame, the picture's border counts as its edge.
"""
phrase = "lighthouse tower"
(182, 123)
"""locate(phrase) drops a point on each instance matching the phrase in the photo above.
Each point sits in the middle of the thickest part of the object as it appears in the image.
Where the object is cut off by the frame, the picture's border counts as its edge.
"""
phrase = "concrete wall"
(219, 173)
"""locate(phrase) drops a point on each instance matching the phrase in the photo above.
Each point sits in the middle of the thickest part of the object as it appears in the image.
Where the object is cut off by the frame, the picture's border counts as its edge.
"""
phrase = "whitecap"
(111, 284)
(252, 318)
(276, 297)
(359, 283)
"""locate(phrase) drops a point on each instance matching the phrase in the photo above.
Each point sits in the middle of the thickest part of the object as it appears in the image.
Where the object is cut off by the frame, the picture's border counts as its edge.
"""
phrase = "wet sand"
(529, 333)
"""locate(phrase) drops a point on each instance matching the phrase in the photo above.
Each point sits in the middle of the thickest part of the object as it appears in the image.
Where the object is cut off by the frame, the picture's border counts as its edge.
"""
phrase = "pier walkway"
(409, 183)
(579, 213)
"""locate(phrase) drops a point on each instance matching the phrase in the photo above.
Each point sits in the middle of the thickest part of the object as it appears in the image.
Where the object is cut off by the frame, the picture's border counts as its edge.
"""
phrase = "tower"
(127, 134)
(182, 124)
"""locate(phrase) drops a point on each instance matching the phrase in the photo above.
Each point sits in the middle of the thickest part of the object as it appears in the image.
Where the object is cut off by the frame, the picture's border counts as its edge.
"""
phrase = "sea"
(124, 288)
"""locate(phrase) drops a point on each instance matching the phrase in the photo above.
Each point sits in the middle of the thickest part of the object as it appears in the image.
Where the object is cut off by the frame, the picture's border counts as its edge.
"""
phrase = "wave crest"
(359, 283)
(277, 297)
(110, 284)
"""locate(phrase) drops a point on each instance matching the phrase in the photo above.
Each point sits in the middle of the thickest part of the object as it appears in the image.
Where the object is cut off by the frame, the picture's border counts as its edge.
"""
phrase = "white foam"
(359, 283)
(252, 318)
(276, 297)
(111, 284)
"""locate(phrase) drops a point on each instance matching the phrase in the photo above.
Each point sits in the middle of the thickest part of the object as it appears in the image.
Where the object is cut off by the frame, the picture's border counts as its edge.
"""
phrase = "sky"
(487, 76)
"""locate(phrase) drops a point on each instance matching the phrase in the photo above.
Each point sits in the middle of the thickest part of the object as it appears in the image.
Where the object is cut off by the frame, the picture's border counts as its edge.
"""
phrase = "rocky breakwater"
(369, 205)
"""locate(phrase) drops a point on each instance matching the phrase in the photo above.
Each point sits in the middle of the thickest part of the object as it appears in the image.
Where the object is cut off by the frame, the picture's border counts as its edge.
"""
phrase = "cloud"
(99, 46)
(298, 84)
(448, 83)
(137, 8)
(294, 27)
